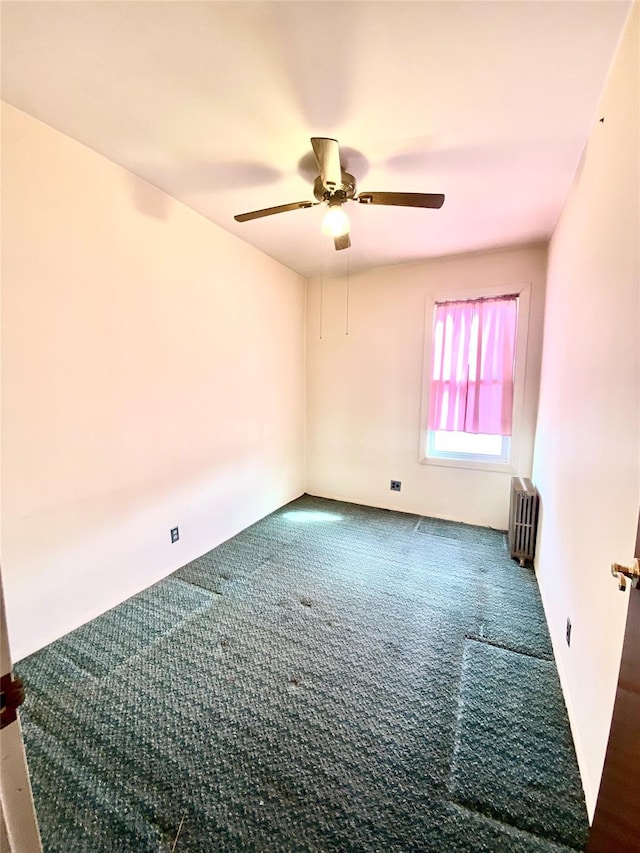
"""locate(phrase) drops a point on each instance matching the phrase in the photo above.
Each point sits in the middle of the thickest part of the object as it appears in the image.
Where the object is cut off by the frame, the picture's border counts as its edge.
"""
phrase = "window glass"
(455, 445)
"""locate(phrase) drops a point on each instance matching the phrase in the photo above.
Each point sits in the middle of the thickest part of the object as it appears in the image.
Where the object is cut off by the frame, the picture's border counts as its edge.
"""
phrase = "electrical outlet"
(175, 534)
(396, 485)
(568, 631)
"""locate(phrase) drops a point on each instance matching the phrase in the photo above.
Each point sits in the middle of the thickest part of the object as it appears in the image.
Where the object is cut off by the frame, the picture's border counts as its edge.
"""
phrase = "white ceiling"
(214, 102)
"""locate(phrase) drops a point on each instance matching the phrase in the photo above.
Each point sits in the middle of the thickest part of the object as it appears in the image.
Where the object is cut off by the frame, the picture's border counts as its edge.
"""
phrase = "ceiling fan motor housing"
(335, 196)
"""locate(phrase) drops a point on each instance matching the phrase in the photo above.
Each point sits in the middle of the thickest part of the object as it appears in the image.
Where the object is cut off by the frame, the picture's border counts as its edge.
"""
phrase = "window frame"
(462, 294)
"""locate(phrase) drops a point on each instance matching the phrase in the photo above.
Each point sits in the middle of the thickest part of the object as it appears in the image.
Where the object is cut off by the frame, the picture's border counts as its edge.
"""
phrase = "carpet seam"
(524, 832)
(487, 642)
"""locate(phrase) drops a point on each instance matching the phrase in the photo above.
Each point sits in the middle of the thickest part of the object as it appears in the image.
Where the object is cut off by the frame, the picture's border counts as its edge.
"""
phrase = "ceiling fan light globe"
(335, 222)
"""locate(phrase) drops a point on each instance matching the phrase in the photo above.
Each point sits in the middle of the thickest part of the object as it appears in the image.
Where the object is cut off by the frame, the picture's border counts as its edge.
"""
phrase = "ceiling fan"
(334, 187)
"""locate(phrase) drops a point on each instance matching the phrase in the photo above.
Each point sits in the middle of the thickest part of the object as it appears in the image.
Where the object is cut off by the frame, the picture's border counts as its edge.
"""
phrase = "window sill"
(470, 464)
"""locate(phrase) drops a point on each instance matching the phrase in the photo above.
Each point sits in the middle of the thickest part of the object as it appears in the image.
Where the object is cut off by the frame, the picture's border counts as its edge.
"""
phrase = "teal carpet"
(335, 678)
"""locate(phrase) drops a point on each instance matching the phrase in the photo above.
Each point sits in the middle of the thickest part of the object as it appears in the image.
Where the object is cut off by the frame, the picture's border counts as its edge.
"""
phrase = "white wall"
(153, 376)
(364, 388)
(587, 465)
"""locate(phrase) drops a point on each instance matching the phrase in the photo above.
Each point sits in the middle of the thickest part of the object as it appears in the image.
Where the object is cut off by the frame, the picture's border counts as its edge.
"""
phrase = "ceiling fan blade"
(327, 153)
(269, 211)
(433, 200)
(342, 242)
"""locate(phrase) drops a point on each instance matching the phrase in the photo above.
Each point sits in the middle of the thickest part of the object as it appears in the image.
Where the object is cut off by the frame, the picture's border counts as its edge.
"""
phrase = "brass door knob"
(622, 573)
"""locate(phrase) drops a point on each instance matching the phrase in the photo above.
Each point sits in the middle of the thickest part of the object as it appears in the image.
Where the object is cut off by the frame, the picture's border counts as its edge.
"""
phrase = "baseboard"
(442, 517)
(590, 794)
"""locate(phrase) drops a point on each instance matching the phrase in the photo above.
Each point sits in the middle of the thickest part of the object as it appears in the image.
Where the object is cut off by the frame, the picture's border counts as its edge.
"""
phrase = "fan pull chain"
(347, 321)
(321, 281)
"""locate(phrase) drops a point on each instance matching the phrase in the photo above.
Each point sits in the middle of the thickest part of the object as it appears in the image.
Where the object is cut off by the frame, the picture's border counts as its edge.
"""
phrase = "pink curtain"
(472, 375)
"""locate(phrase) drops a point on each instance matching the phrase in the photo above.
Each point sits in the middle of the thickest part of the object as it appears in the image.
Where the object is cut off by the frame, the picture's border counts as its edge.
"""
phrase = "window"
(471, 380)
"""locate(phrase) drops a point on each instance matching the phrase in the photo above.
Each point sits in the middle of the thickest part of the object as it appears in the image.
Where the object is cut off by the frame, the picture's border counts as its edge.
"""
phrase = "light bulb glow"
(336, 221)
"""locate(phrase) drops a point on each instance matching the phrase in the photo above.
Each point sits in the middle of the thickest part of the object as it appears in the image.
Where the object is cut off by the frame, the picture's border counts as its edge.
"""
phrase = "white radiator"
(523, 519)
